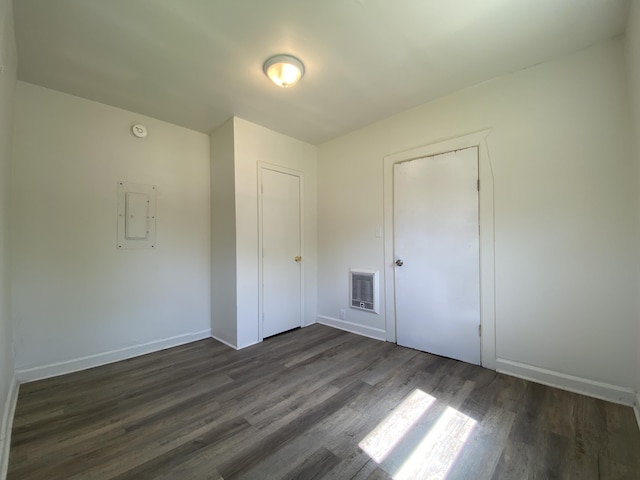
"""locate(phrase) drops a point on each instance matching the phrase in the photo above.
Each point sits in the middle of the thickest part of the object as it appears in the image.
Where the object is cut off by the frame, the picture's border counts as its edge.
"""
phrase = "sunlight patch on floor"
(383, 439)
(436, 453)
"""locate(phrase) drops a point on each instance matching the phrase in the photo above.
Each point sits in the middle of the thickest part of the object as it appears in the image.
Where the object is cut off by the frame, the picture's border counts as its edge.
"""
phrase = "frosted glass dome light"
(284, 70)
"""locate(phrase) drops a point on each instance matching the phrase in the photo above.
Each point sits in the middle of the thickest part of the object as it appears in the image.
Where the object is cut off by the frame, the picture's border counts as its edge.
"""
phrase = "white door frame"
(277, 168)
(487, 234)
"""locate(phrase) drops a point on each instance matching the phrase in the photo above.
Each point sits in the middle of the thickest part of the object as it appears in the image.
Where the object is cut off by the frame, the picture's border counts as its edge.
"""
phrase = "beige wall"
(565, 205)
(7, 92)
(77, 299)
(633, 63)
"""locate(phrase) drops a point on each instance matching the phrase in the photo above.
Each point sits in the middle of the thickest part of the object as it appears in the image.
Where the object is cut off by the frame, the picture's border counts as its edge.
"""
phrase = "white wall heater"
(364, 286)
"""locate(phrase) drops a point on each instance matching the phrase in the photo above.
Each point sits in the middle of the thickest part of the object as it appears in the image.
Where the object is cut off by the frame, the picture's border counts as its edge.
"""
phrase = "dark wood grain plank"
(302, 405)
(314, 467)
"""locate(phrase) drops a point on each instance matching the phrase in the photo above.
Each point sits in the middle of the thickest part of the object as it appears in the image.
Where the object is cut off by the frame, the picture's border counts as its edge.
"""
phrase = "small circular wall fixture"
(139, 131)
(284, 70)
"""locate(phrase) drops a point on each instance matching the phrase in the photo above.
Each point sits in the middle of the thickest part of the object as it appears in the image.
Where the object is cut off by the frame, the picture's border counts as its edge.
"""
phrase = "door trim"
(487, 235)
(289, 171)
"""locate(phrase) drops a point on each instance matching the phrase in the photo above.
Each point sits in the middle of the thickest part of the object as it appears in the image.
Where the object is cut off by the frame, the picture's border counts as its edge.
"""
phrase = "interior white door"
(281, 252)
(437, 254)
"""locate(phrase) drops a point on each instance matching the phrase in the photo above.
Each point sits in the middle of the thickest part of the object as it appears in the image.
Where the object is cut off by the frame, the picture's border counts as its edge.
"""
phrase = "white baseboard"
(235, 347)
(5, 428)
(228, 344)
(250, 344)
(82, 363)
(571, 383)
(377, 333)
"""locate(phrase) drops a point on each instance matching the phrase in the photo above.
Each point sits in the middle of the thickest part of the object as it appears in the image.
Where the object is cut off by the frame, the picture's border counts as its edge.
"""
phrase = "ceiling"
(195, 63)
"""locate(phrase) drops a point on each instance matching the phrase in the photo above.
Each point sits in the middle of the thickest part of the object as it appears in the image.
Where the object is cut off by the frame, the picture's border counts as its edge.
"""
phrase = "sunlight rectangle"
(436, 453)
(382, 440)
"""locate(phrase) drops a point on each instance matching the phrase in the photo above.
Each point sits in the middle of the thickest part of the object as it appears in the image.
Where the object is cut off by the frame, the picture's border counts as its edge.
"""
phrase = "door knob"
(298, 258)
(399, 262)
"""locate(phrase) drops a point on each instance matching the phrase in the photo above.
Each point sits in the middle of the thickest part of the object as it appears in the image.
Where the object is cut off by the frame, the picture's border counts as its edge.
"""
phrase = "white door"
(281, 252)
(437, 254)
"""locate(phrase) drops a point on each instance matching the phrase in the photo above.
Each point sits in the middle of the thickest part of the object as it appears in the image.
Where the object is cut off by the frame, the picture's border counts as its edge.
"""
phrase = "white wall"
(633, 63)
(252, 144)
(8, 60)
(565, 201)
(75, 295)
(223, 236)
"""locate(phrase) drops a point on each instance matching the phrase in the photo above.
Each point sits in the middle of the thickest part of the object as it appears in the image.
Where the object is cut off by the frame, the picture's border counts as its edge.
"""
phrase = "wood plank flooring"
(310, 404)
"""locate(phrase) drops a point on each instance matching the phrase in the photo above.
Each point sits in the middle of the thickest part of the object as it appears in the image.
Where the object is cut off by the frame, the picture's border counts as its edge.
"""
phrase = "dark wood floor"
(313, 403)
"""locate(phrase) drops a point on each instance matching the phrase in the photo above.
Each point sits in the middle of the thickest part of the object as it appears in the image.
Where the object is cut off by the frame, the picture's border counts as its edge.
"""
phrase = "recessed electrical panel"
(136, 215)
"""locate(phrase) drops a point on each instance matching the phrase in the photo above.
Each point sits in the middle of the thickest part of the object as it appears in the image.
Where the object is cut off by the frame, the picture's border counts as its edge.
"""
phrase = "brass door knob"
(298, 258)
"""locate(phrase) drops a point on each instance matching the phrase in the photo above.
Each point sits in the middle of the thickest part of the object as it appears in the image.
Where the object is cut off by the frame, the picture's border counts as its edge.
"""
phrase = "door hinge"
(478, 184)
(479, 330)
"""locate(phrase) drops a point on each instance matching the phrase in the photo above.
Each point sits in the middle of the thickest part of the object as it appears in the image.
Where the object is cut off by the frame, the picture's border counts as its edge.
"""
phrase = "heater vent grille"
(364, 289)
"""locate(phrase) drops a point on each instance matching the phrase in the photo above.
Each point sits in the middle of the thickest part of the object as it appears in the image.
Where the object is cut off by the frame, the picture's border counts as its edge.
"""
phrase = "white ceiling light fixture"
(284, 70)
